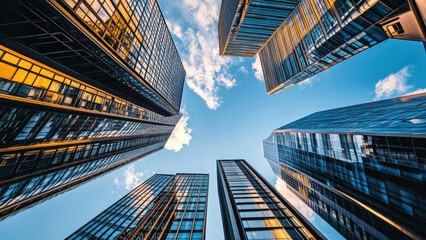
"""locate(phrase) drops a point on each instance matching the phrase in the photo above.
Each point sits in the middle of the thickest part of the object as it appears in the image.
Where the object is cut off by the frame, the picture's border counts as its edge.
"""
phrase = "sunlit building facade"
(163, 207)
(361, 168)
(298, 39)
(85, 87)
(321, 33)
(252, 209)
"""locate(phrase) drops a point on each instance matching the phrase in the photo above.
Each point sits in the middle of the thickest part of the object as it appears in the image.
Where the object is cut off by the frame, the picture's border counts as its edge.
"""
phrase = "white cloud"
(307, 212)
(206, 70)
(226, 80)
(243, 69)
(420, 90)
(308, 82)
(395, 83)
(257, 67)
(131, 178)
(175, 29)
(181, 134)
(116, 182)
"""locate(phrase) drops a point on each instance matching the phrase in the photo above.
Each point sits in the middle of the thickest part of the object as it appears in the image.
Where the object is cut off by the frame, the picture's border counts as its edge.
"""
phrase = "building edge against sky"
(309, 36)
(252, 209)
(361, 168)
(163, 207)
(85, 88)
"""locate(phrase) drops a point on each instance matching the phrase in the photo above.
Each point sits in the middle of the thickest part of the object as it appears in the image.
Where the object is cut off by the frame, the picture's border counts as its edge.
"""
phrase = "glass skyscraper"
(245, 26)
(321, 33)
(85, 87)
(361, 168)
(298, 39)
(163, 207)
(252, 209)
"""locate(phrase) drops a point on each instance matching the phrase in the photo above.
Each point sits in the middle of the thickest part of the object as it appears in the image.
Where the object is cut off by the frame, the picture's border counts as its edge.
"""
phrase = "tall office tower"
(316, 35)
(85, 87)
(163, 207)
(245, 26)
(361, 168)
(252, 209)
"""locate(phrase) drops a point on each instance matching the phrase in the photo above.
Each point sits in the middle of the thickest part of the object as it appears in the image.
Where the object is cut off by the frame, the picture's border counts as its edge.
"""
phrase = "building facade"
(252, 209)
(162, 207)
(298, 39)
(85, 87)
(321, 33)
(245, 26)
(361, 168)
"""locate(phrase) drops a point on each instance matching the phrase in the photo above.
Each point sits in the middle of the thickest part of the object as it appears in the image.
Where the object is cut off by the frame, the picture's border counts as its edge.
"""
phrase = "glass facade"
(362, 168)
(321, 33)
(138, 33)
(252, 209)
(163, 207)
(17, 196)
(120, 46)
(85, 87)
(245, 26)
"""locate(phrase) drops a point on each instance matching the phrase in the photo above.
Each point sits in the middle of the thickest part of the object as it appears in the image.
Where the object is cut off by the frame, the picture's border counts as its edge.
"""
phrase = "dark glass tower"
(252, 209)
(85, 87)
(163, 207)
(298, 39)
(361, 168)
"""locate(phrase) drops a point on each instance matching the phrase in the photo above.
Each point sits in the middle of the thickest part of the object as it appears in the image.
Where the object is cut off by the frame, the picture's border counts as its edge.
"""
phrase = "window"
(198, 225)
(184, 235)
(175, 225)
(189, 215)
(268, 234)
(171, 236)
(261, 223)
(197, 235)
(186, 225)
(200, 215)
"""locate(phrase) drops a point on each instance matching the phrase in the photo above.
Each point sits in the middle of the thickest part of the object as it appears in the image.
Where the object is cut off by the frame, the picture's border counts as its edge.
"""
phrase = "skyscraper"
(361, 167)
(162, 207)
(85, 87)
(245, 26)
(252, 209)
(298, 39)
(317, 36)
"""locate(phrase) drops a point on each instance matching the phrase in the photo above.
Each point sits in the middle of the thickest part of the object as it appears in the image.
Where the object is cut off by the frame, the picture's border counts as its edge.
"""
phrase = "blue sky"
(227, 114)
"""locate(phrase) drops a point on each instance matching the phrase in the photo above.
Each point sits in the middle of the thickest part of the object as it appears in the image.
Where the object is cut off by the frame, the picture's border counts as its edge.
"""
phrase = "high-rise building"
(163, 207)
(361, 168)
(245, 26)
(85, 87)
(252, 209)
(298, 39)
(317, 36)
